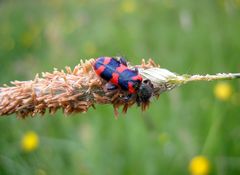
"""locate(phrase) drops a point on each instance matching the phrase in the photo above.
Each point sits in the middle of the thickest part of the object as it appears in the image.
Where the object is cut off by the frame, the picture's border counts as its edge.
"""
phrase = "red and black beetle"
(119, 75)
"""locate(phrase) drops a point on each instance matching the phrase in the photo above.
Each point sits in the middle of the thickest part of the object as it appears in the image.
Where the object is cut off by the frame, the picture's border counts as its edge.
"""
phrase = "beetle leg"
(110, 86)
(128, 97)
(138, 100)
(123, 61)
(136, 70)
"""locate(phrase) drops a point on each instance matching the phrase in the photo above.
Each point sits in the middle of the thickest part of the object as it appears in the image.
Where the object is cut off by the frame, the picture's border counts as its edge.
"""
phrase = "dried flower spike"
(79, 89)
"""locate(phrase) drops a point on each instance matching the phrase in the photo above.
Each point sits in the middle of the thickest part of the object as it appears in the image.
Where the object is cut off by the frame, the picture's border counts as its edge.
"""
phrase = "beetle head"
(144, 94)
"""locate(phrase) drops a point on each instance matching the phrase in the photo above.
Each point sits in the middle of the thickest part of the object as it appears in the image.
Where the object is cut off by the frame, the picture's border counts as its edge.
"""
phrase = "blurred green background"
(182, 35)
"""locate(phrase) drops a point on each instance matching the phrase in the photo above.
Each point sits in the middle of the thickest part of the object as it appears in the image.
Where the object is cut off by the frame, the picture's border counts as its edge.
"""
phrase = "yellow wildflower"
(199, 165)
(30, 141)
(128, 6)
(163, 137)
(40, 172)
(223, 91)
(30, 36)
(237, 3)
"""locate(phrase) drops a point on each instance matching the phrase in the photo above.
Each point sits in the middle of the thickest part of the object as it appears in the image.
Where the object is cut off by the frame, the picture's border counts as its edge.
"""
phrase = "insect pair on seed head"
(118, 75)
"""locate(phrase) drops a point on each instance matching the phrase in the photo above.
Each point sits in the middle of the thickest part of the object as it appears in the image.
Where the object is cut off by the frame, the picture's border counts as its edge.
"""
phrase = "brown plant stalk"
(79, 89)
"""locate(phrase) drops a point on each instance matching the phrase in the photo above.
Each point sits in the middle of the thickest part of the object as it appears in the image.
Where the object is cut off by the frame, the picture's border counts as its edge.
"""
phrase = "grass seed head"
(73, 91)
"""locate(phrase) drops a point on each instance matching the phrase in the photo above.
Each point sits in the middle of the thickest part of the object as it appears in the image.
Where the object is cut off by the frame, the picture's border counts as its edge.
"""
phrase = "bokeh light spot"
(223, 91)
(128, 6)
(199, 165)
(30, 141)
